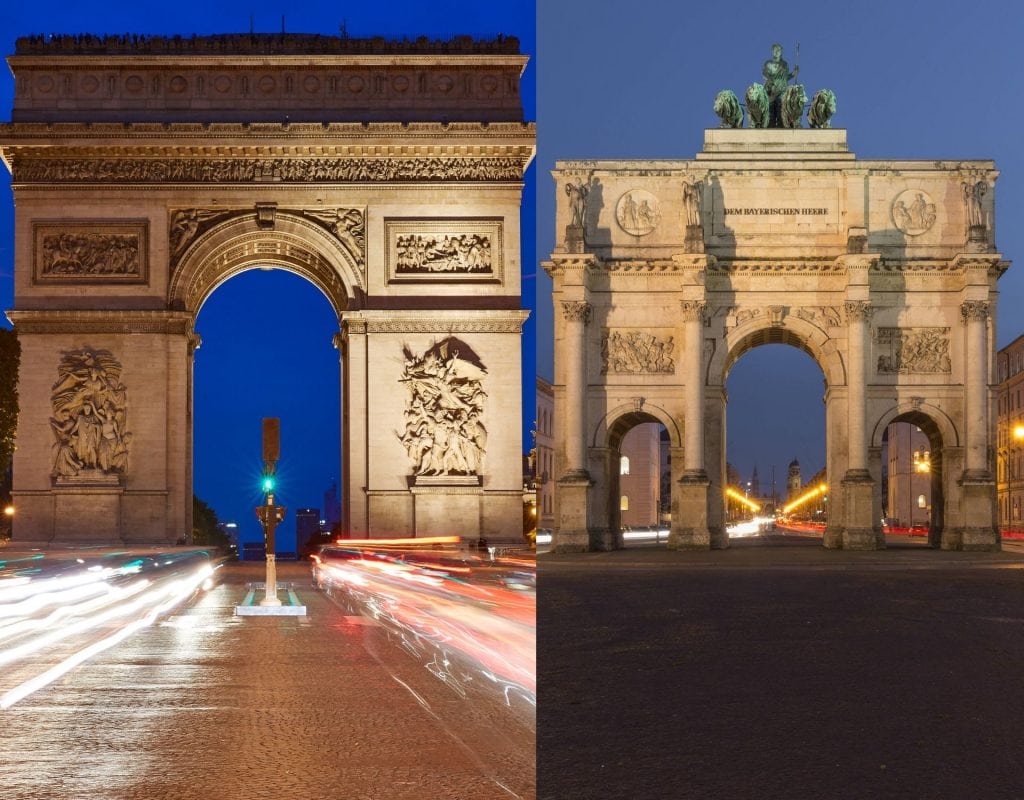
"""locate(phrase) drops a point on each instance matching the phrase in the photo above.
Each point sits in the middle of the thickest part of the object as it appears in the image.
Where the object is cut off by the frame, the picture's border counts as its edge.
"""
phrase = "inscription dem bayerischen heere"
(775, 211)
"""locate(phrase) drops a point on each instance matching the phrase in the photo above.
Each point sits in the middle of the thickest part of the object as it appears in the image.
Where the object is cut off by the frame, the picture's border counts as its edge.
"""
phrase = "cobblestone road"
(212, 706)
(781, 672)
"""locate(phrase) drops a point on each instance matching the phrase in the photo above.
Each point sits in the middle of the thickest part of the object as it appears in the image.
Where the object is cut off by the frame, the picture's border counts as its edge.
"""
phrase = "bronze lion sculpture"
(758, 106)
(793, 101)
(823, 106)
(728, 108)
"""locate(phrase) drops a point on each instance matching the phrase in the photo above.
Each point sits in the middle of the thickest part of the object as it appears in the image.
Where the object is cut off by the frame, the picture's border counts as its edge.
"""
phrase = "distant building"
(332, 507)
(1010, 436)
(544, 458)
(640, 461)
(307, 525)
(909, 480)
(793, 484)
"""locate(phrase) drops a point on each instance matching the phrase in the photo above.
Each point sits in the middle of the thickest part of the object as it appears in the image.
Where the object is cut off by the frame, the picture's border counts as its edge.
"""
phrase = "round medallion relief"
(45, 84)
(90, 84)
(222, 83)
(133, 83)
(177, 84)
(637, 212)
(913, 212)
(356, 84)
(311, 83)
(489, 83)
(445, 84)
(266, 84)
(400, 83)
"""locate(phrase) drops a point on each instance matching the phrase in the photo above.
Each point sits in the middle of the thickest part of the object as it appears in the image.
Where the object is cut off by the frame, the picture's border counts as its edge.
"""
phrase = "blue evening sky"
(245, 336)
(914, 79)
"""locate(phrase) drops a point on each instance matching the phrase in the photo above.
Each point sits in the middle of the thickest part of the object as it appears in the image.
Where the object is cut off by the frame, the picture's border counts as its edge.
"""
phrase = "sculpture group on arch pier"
(884, 272)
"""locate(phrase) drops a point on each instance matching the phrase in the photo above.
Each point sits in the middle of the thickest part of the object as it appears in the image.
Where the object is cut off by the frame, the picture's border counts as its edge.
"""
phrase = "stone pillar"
(690, 498)
(858, 492)
(353, 347)
(572, 535)
(978, 488)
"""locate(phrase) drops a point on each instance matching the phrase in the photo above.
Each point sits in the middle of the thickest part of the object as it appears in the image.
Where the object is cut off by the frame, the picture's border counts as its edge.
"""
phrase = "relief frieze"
(444, 431)
(83, 251)
(446, 250)
(634, 352)
(905, 350)
(242, 170)
(822, 316)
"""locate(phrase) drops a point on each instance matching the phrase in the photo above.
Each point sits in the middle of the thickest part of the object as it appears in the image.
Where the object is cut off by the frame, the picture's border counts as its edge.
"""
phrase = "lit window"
(624, 503)
(624, 465)
(922, 501)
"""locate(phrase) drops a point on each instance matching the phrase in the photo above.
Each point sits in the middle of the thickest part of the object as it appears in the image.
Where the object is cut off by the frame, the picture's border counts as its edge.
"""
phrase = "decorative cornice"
(107, 321)
(768, 268)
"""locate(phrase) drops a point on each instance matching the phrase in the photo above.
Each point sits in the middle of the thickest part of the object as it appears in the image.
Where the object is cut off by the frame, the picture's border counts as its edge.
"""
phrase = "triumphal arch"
(149, 170)
(884, 272)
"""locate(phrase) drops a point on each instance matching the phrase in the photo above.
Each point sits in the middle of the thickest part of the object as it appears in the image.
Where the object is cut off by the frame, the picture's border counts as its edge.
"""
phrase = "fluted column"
(975, 316)
(694, 313)
(577, 316)
(858, 312)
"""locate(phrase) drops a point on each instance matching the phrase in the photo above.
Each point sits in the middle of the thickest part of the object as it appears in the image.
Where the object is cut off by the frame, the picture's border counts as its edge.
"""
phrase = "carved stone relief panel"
(85, 251)
(444, 250)
(822, 316)
(638, 212)
(913, 212)
(905, 350)
(244, 170)
(444, 434)
(635, 352)
(89, 409)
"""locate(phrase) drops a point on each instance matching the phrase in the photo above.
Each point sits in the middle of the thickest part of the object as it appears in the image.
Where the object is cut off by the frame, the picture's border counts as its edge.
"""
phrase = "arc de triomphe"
(884, 272)
(148, 171)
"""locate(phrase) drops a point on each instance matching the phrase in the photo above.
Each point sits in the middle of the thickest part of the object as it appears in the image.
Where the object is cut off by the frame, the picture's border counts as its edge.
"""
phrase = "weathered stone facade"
(148, 171)
(883, 271)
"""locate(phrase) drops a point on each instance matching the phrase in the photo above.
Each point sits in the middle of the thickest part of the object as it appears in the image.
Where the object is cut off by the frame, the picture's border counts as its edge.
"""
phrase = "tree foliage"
(10, 356)
(205, 526)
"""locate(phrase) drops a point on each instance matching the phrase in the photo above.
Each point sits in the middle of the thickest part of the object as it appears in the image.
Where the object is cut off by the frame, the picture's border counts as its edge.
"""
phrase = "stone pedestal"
(694, 241)
(858, 495)
(979, 531)
(572, 534)
(87, 508)
(690, 514)
(440, 500)
(574, 240)
(977, 239)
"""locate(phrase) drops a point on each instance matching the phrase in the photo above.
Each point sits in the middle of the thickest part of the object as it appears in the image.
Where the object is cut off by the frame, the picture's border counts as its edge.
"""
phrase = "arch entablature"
(242, 243)
(623, 417)
(924, 415)
(791, 330)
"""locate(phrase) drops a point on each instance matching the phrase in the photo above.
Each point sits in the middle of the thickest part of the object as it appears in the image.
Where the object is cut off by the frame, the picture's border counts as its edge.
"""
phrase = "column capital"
(577, 311)
(857, 310)
(694, 310)
(975, 310)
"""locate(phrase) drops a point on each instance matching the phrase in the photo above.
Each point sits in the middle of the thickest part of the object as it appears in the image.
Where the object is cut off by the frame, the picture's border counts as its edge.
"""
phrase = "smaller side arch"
(634, 414)
(926, 412)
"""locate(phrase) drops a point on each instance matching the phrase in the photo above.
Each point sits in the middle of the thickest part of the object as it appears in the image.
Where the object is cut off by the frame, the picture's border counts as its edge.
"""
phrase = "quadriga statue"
(793, 101)
(823, 106)
(728, 108)
(758, 106)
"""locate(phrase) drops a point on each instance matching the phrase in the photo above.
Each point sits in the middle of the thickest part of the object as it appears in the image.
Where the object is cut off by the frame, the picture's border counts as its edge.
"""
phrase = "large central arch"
(668, 271)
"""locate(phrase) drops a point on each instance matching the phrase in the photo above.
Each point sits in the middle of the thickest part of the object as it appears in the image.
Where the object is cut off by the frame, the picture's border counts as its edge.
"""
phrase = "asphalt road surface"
(783, 671)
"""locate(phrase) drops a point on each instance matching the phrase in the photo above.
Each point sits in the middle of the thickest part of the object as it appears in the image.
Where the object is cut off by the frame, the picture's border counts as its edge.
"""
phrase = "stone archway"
(669, 270)
(133, 210)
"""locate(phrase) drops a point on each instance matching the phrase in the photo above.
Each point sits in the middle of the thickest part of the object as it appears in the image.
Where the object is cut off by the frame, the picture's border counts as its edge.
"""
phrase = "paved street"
(778, 669)
(208, 705)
